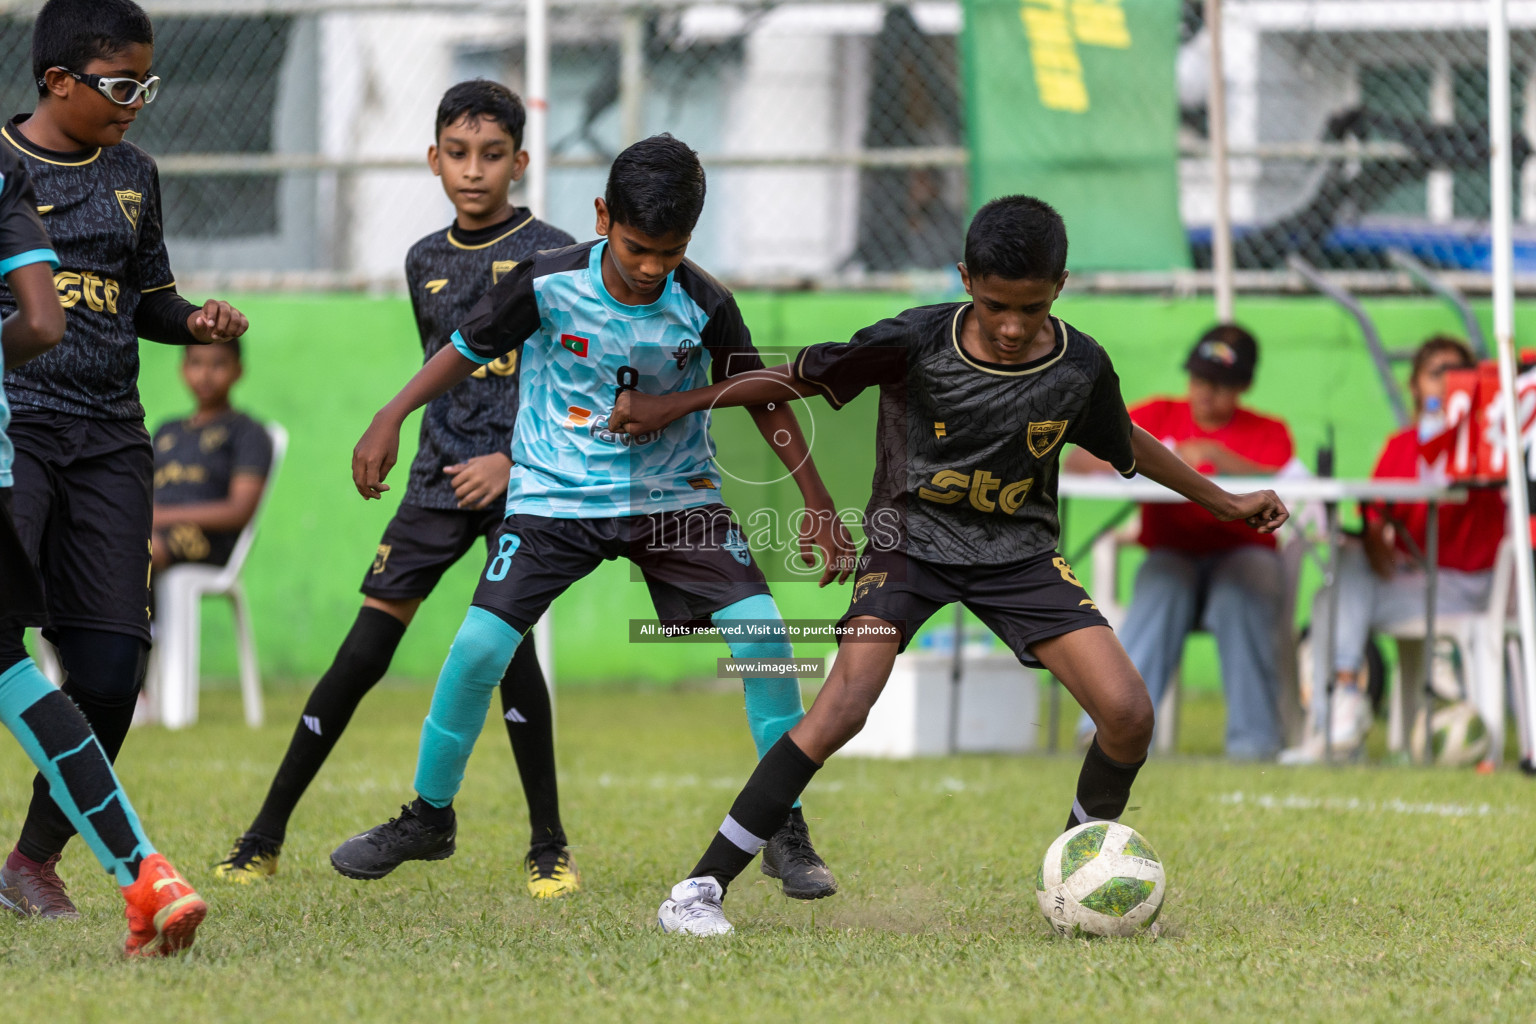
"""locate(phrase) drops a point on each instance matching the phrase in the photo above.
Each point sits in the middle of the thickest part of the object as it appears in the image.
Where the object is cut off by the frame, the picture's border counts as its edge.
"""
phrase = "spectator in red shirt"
(1200, 572)
(1380, 582)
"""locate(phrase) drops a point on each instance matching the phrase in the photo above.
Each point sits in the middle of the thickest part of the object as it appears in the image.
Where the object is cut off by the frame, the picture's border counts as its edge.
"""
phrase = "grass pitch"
(1358, 894)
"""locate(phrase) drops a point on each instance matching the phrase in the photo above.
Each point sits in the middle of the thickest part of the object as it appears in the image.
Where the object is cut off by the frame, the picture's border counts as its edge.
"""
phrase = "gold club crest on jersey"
(1044, 436)
(131, 203)
(500, 268)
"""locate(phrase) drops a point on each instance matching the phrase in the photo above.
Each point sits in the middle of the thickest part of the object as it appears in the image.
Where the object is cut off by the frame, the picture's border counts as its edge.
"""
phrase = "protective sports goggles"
(122, 91)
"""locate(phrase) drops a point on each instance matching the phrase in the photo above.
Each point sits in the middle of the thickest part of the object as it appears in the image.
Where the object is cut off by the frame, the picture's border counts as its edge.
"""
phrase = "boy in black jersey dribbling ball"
(976, 401)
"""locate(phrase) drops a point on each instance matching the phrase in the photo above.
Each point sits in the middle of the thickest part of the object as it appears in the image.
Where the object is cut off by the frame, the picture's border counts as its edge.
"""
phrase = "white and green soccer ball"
(1451, 734)
(1100, 878)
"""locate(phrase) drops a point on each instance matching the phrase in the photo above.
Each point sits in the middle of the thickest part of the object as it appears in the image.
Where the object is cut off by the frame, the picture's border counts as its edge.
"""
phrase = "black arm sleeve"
(1103, 429)
(22, 238)
(729, 344)
(875, 356)
(504, 318)
(162, 317)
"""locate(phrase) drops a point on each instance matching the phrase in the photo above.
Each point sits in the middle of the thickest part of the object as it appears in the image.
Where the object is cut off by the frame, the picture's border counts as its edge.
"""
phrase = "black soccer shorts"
(420, 544)
(1022, 602)
(694, 561)
(21, 595)
(83, 503)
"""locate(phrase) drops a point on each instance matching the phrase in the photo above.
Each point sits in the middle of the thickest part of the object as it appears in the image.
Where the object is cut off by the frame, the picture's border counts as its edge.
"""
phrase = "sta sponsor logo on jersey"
(130, 202)
(505, 366)
(985, 491)
(98, 293)
(575, 344)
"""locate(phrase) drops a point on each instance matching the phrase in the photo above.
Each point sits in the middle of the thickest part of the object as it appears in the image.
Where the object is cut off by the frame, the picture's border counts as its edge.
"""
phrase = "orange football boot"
(163, 910)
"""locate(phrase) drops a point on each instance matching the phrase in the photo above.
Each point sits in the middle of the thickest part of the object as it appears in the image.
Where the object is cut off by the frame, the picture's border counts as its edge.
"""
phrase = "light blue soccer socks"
(481, 651)
(81, 781)
(773, 702)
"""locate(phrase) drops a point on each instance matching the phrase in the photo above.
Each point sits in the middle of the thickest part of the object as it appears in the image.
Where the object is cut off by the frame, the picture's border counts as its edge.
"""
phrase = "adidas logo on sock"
(312, 723)
(514, 715)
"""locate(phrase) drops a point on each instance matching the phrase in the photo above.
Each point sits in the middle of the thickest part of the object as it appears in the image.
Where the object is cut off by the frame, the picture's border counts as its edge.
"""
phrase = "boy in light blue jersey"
(585, 322)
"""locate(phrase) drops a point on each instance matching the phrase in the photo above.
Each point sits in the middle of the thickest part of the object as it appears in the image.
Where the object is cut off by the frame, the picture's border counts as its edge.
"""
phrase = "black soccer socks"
(1103, 787)
(759, 811)
(530, 726)
(360, 663)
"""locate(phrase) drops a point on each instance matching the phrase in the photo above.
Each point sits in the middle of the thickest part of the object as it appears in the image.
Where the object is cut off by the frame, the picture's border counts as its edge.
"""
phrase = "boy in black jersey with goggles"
(455, 494)
(84, 468)
(976, 400)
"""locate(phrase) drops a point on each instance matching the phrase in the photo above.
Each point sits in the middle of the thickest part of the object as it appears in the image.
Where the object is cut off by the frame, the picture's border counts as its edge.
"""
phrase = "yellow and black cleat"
(551, 872)
(251, 859)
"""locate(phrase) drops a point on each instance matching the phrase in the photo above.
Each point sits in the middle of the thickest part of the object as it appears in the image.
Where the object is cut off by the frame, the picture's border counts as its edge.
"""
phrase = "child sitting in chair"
(210, 467)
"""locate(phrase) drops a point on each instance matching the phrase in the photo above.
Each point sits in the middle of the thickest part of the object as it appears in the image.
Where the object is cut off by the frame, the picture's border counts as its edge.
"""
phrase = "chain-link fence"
(291, 134)
(1356, 128)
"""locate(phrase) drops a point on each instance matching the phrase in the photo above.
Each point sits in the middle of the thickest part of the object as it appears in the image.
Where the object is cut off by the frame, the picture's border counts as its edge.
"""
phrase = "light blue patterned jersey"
(576, 343)
(22, 241)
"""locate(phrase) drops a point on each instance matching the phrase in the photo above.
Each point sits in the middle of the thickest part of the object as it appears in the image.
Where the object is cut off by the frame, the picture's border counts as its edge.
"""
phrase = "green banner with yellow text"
(1074, 101)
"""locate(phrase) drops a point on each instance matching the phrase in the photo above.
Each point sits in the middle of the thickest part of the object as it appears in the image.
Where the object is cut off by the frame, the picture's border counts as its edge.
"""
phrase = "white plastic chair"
(178, 620)
(1485, 639)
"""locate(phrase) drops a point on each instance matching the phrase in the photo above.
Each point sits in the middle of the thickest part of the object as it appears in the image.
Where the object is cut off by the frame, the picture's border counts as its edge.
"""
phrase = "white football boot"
(1351, 721)
(695, 908)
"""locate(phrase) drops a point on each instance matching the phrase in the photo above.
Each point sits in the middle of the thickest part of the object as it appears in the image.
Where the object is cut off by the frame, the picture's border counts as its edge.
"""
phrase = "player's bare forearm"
(635, 412)
(225, 516)
(823, 529)
(1263, 510)
(379, 448)
(37, 325)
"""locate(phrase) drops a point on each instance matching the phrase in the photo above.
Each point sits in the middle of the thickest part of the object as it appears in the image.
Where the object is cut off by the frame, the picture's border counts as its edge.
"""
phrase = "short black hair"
(1019, 238)
(656, 187)
(72, 33)
(482, 98)
(231, 346)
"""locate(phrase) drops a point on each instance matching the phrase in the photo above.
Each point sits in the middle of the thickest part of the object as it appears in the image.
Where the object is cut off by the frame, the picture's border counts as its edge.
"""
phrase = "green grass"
(1355, 894)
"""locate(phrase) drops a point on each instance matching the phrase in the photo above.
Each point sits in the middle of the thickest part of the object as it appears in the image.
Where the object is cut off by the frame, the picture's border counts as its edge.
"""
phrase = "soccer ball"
(1451, 734)
(1100, 878)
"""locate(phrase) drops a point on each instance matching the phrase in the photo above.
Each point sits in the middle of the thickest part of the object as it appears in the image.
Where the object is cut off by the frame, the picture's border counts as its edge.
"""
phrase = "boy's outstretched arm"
(1262, 510)
(38, 322)
(635, 412)
(822, 528)
(379, 448)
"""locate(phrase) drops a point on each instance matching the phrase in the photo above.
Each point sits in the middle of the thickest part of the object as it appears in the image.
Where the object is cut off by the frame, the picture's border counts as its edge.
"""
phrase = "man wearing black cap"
(1200, 573)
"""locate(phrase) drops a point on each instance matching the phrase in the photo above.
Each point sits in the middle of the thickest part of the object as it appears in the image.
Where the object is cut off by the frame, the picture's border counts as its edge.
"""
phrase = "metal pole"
(632, 78)
(1216, 120)
(1504, 338)
(536, 100)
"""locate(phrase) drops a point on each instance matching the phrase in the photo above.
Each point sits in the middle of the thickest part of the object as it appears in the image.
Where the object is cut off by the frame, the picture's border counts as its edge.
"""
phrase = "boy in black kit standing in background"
(84, 467)
(457, 487)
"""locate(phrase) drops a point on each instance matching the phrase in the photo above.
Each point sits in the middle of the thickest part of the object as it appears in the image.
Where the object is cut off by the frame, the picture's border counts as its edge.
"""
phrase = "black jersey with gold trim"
(102, 209)
(447, 272)
(967, 452)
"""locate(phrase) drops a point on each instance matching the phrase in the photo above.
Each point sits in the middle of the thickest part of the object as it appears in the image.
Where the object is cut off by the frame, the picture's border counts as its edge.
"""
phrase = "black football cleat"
(791, 859)
(381, 849)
